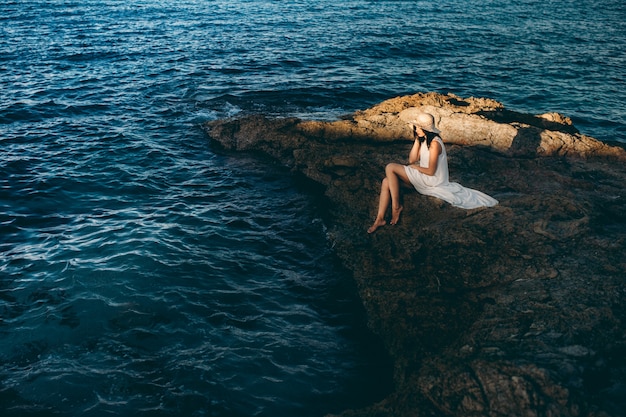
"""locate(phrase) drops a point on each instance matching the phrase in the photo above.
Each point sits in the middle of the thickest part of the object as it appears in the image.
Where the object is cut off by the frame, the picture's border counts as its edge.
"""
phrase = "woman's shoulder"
(440, 148)
(438, 140)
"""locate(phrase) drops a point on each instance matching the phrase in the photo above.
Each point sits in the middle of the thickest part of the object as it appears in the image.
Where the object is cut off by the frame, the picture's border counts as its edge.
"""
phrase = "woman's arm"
(435, 151)
(414, 155)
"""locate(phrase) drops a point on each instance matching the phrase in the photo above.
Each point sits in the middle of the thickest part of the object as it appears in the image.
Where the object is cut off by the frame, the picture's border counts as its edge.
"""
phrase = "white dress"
(438, 185)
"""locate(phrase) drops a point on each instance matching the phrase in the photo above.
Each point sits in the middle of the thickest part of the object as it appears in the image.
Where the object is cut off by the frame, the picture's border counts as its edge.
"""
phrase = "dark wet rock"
(515, 310)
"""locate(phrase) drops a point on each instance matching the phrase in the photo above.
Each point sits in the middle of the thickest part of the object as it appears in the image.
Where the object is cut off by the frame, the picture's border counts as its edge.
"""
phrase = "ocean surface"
(144, 273)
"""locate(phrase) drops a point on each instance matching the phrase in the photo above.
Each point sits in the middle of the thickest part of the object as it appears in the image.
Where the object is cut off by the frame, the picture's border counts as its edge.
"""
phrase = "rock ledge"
(515, 310)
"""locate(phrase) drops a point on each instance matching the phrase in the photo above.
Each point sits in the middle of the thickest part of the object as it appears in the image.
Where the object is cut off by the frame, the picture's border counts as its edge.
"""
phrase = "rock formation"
(515, 310)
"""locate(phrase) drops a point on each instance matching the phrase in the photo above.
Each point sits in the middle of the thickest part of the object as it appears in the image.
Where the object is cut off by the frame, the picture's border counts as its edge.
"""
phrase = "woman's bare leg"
(383, 203)
(390, 192)
(394, 174)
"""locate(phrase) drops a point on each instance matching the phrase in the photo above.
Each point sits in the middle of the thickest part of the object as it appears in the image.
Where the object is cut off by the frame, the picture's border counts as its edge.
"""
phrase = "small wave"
(144, 272)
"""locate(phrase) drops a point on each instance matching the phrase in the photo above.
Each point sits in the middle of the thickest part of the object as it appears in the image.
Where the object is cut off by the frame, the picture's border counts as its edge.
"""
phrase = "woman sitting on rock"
(427, 172)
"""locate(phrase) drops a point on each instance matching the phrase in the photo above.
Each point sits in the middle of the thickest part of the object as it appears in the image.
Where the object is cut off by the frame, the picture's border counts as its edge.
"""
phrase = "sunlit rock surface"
(515, 310)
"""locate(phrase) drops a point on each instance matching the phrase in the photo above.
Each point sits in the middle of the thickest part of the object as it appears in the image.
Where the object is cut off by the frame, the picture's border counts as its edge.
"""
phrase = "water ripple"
(140, 272)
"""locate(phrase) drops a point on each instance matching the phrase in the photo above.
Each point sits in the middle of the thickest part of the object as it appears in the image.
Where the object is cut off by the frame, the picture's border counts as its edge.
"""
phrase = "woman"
(427, 172)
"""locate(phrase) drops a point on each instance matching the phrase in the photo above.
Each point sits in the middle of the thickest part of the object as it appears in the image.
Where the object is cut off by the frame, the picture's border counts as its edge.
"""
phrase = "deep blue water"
(143, 274)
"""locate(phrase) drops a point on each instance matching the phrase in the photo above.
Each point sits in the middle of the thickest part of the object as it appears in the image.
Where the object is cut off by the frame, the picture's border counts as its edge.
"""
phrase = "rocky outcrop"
(515, 310)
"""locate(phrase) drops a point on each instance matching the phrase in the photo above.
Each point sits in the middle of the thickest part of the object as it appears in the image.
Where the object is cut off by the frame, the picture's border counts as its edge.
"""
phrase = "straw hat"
(415, 116)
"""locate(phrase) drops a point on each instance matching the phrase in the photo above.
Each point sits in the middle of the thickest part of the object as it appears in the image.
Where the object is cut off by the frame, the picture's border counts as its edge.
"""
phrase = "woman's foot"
(395, 215)
(377, 223)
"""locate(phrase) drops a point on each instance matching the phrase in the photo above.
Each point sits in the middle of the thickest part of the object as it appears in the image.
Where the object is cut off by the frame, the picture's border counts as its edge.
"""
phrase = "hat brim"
(431, 129)
(410, 116)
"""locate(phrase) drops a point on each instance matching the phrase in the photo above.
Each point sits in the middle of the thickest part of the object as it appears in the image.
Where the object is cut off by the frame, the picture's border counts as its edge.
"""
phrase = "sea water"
(144, 273)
